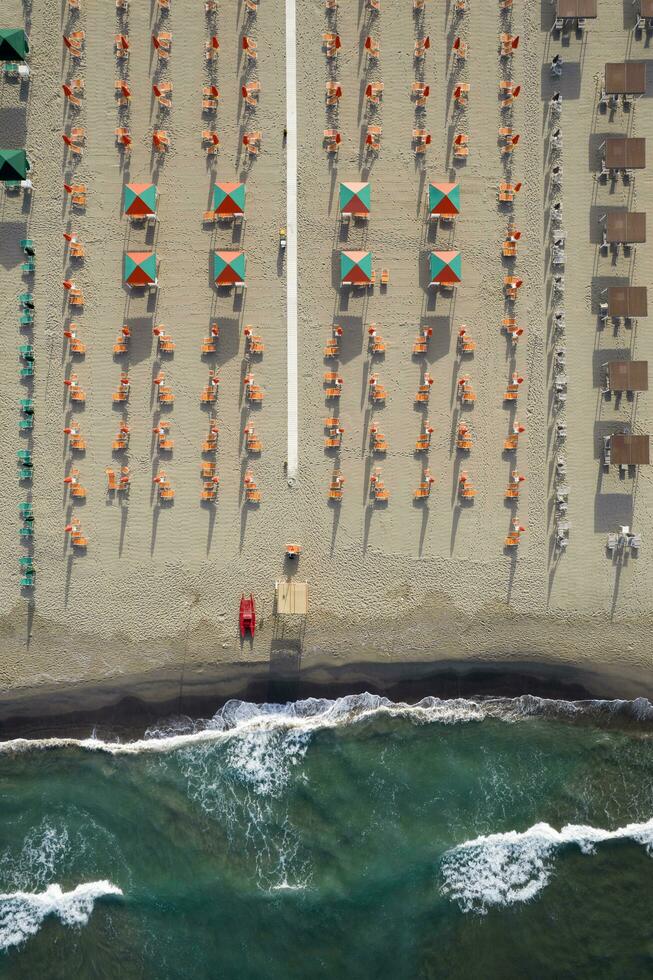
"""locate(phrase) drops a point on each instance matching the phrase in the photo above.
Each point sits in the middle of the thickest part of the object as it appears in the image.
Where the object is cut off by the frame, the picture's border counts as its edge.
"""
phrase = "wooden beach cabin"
(627, 227)
(627, 301)
(629, 450)
(291, 598)
(627, 375)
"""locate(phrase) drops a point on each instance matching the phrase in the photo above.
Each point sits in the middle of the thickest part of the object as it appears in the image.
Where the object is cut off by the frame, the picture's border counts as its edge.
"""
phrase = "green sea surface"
(354, 838)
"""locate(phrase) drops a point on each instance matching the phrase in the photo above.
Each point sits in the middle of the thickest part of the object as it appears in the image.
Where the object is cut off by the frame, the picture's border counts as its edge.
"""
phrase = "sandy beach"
(157, 590)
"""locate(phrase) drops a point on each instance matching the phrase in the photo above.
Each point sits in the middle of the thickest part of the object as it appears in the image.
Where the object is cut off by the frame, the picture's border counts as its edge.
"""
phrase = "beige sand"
(160, 587)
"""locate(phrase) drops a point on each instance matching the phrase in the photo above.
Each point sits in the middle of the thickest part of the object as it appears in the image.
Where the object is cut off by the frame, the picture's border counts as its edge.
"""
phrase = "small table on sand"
(573, 9)
(625, 226)
(628, 375)
(646, 8)
(625, 153)
(629, 450)
(625, 78)
(631, 301)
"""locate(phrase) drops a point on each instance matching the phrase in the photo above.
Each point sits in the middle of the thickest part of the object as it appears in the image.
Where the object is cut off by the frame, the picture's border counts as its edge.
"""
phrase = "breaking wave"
(241, 718)
(503, 869)
(22, 913)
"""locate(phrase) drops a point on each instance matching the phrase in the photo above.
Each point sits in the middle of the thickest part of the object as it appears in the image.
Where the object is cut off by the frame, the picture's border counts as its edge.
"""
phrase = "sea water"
(356, 838)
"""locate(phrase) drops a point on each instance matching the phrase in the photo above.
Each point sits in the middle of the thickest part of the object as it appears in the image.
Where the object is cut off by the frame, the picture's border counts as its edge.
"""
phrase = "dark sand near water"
(127, 708)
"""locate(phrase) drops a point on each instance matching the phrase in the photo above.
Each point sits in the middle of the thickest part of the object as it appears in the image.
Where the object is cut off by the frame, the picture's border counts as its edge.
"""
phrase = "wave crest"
(242, 718)
(503, 869)
(21, 913)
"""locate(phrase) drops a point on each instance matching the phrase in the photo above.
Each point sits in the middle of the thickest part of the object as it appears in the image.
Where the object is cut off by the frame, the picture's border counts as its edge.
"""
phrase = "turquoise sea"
(354, 838)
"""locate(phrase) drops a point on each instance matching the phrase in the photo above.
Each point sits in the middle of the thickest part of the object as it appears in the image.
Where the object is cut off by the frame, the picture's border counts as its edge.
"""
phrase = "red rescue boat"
(247, 615)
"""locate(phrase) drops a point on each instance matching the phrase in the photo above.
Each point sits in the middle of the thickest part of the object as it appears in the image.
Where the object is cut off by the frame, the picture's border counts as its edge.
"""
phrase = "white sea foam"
(43, 854)
(503, 869)
(21, 913)
(240, 718)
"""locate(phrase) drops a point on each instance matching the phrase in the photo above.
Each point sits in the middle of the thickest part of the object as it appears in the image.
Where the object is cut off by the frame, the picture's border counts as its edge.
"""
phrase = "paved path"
(291, 238)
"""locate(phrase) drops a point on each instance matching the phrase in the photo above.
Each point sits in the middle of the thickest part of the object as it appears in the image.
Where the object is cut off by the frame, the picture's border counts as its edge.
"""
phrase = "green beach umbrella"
(445, 268)
(228, 199)
(14, 165)
(228, 268)
(355, 198)
(140, 199)
(355, 268)
(140, 268)
(14, 45)
(444, 199)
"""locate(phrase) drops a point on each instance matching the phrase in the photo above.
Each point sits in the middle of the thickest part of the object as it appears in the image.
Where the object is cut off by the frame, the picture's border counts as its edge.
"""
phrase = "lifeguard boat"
(247, 615)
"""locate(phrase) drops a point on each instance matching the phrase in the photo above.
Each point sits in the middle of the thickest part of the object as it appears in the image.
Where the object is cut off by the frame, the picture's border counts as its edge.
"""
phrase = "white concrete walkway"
(291, 239)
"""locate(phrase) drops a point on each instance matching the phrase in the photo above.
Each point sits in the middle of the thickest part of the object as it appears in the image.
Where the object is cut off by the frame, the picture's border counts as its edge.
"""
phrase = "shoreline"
(125, 707)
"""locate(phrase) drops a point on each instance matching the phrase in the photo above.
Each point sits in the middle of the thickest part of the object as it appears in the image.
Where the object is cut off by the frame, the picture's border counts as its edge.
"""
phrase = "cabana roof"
(445, 267)
(140, 268)
(355, 268)
(14, 45)
(444, 199)
(355, 197)
(229, 268)
(14, 164)
(229, 198)
(140, 199)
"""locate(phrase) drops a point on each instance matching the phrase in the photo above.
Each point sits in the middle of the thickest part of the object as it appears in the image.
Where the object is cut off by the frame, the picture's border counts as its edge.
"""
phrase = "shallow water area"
(355, 837)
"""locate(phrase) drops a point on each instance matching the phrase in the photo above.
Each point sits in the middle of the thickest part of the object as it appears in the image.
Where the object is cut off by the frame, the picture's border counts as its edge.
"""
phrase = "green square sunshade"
(228, 199)
(14, 165)
(140, 199)
(355, 198)
(140, 268)
(444, 199)
(228, 268)
(445, 268)
(355, 268)
(14, 45)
